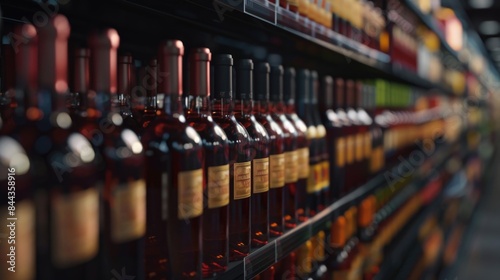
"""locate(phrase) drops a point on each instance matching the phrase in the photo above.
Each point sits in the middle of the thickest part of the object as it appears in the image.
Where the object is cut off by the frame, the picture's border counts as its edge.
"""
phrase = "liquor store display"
(187, 161)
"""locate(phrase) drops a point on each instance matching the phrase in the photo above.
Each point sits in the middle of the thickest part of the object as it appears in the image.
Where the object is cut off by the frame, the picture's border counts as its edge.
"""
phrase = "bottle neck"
(172, 105)
(222, 107)
(198, 106)
(277, 107)
(243, 108)
(261, 107)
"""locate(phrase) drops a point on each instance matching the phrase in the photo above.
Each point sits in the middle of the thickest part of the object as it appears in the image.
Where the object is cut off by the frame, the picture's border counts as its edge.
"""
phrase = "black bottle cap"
(276, 80)
(349, 93)
(327, 92)
(82, 71)
(339, 93)
(199, 78)
(223, 76)
(244, 79)
(314, 85)
(170, 66)
(289, 85)
(261, 81)
(303, 88)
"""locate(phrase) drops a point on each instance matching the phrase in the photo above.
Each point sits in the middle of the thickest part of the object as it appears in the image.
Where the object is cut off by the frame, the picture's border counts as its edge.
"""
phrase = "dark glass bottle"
(240, 157)
(174, 180)
(124, 193)
(336, 147)
(324, 164)
(364, 129)
(276, 150)
(259, 146)
(376, 161)
(216, 170)
(124, 89)
(302, 144)
(351, 134)
(72, 197)
(150, 106)
(345, 154)
(277, 110)
(303, 106)
(7, 88)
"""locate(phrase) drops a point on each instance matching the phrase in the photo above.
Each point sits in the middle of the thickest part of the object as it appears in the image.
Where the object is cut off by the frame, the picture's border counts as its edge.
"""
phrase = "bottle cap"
(223, 76)
(104, 48)
(261, 81)
(327, 92)
(170, 67)
(199, 78)
(276, 78)
(349, 93)
(289, 85)
(244, 79)
(303, 88)
(26, 57)
(124, 73)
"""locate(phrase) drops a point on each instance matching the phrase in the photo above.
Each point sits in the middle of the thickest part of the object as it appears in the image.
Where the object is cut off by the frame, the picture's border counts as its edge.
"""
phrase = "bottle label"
(311, 132)
(242, 177)
(303, 163)
(291, 167)
(218, 186)
(350, 149)
(277, 171)
(340, 152)
(190, 194)
(359, 146)
(367, 145)
(24, 243)
(326, 174)
(318, 176)
(75, 227)
(293, 3)
(312, 179)
(260, 175)
(128, 211)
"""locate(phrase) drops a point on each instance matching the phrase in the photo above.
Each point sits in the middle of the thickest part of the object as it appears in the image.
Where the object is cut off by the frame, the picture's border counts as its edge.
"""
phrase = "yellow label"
(359, 146)
(242, 177)
(75, 227)
(190, 194)
(367, 145)
(377, 159)
(340, 150)
(326, 174)
(350, 142)
(318, 176)
(218, 186)
(24, 266)
(311, 132)
(320, 131)
(303, 163)
(311, 179)
(291, 167)
(128, 211)
(277, 171)
(260, 175)
(293, 2)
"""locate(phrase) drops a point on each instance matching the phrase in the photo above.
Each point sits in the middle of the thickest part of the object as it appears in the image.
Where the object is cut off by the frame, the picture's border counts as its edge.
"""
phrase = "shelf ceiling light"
(489, 27)
(480, 4)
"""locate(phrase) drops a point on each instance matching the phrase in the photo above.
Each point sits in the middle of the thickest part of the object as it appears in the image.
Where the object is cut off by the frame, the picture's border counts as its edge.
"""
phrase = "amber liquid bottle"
(174, 180)
(303, 107)
(259, 146)
(277, 109)
(124, 192)
(19, 163)
(324, 164)
(240, 157)
(346, 157)
(124, 89)
(216, 169)
(364, 129)
(351, 134)
(276, 150)
(302, 144)
(336, 142)
(71, 201)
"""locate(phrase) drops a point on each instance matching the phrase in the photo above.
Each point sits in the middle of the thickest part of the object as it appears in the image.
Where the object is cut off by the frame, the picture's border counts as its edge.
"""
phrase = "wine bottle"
(124, 89)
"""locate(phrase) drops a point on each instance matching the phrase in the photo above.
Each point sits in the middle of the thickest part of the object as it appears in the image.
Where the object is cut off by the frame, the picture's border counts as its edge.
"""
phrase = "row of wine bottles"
(195, 182)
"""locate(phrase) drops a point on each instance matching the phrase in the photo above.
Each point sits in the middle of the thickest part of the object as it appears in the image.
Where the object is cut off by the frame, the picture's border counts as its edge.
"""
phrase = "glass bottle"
(174, 180)
(302, 144)
(216, 169)
(240, 157)
(124, 89)
(259, 145)
(276, 149)
(364, 129)
(353, 156)
(151, 82)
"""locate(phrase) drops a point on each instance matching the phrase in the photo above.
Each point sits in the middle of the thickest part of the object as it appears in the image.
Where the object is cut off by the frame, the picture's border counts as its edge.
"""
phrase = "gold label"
(293, 2)
(260, 175)
(277, 171)
(303, 163)
(23, 267)
(311, 179)
(291, 167)
(367, 145)
(377, 159)
(318, 176)
(326, 174)
(75, 227)
(350, 149)
(190, 194)
(359, 146)
(340, 152)
(128, 211)
(320, 131)
(218, 186)
(242, 177)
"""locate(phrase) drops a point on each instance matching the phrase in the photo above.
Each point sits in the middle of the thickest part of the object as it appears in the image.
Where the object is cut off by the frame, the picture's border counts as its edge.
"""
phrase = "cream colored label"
(303, 163)
(128, 212)
(24, 242)
(326, 174)
(75, 227)
(367, 145)
(291, 167)
(311, 132)
(260, 175)
(312, 179)
(218, 186)
(377, 159)
(190, 194)
(277, 171)
(320, 131)
(359, 146)
(318, 176)
(242, 177)
(340, 151)
(350, 142)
